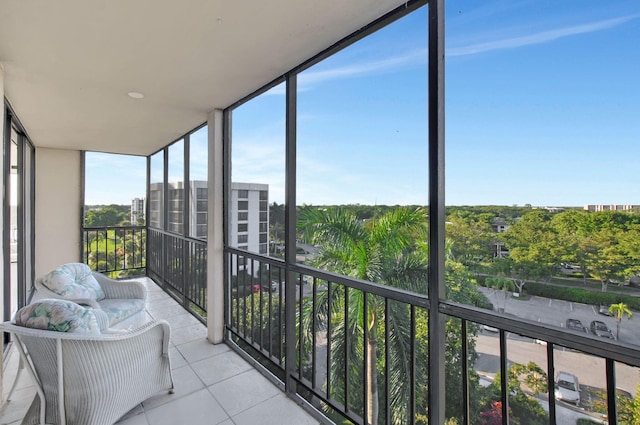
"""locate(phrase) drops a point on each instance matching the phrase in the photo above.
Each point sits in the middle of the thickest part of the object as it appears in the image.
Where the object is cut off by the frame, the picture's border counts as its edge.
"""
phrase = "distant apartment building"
(499, 225)
(612, 207)
(248, 209)
(197, 208)
(137, 210)
(249, 220)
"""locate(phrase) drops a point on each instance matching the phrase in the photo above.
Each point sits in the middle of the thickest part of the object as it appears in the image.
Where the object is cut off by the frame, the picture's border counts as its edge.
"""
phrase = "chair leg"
(15, 381)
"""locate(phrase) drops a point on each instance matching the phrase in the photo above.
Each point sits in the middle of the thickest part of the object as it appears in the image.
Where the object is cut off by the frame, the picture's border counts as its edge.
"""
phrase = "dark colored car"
(575, 325)
(600, 329)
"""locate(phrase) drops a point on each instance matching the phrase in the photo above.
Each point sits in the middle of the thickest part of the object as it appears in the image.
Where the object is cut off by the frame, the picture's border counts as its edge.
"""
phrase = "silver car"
(567, 388)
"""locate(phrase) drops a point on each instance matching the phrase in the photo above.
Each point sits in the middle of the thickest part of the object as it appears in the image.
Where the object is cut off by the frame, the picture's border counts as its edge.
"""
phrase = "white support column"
(215, 231)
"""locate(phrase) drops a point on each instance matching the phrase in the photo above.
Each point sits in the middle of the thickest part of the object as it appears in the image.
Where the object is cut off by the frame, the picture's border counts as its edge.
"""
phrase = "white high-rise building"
(249, 217)
(137, 210)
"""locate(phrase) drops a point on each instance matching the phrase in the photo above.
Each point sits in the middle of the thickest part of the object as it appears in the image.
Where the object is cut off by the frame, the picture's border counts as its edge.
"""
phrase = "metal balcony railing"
(118, 251)
(179, 265)
(358, 351)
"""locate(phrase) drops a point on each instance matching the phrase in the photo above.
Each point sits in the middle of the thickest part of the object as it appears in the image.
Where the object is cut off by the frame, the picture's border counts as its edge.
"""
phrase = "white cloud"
(538, 38)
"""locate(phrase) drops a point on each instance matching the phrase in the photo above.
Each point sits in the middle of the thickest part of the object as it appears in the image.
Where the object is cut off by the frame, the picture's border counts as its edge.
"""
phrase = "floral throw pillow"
(59, 315)
(73, 280)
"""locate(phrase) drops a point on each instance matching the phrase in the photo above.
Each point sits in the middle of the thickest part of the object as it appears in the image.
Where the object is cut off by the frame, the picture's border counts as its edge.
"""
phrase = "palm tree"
(506, 286)
(619, 311)
(382, 250)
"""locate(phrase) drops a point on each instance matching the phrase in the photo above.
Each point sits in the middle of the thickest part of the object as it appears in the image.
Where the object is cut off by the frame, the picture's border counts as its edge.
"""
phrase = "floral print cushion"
(119, 309)
(61, 316)
(73, 280)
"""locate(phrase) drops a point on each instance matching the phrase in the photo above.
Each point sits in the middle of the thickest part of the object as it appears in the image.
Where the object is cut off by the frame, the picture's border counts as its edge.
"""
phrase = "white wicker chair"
(123, 298)
(86, 379)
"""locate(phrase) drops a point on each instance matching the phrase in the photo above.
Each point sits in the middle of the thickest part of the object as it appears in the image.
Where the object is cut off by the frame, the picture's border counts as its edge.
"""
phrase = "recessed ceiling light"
(135, 95)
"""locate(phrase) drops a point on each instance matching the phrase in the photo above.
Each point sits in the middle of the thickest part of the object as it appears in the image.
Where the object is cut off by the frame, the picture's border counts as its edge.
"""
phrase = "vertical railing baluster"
(465, 372)
(347, 351)
(551, 386)
(281, 330)
(504, 387)
(314, 324)
(329, 330)
(260, 304)
(301, 351)
(612, 409)
(412, 378)
(269, 310)
(365, 357)
(387, 332)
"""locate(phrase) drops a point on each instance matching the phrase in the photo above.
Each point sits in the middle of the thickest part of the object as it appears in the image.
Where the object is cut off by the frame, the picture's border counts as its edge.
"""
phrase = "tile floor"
(213, 384)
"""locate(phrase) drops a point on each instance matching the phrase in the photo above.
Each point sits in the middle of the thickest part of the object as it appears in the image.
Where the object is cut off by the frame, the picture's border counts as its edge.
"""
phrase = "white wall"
(58, 208)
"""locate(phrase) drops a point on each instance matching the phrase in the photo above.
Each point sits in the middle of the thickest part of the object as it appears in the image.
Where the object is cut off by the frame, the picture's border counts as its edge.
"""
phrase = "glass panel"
(198, 177)
(258, 169)
(362, 145)
(156, 191)
(175, 186)
(534, 207)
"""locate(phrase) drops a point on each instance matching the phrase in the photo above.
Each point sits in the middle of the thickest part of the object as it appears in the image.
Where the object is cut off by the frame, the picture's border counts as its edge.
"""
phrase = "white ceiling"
(69, 64)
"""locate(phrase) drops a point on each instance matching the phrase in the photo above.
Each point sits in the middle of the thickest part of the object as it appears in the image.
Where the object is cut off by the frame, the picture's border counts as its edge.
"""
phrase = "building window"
(243, 239)
(263, 216)
(264, 195)
(243, 205)
(264, 206)
(243, 216)
(263, 238)
(263, 227)
(243, 194)
(243, 227)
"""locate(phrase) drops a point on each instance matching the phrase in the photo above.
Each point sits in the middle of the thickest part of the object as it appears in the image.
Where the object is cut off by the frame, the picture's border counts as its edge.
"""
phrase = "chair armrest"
(125, 289)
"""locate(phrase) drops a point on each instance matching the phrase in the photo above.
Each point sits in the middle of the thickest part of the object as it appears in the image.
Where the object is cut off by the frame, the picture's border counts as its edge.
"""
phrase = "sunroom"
(294, 206)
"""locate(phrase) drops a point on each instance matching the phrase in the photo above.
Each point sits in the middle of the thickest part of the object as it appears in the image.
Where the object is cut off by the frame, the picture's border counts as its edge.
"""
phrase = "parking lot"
(556, 312)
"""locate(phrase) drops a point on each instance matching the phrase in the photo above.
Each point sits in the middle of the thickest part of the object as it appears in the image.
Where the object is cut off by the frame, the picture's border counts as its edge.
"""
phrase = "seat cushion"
(61, 316)
(118, 310)
(73, 280)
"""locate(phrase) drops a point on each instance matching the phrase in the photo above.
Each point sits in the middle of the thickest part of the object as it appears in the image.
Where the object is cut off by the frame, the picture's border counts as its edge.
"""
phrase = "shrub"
(578, 295)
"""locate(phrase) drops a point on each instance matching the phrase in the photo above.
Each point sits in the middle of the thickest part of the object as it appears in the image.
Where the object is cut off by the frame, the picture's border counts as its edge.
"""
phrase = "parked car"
(575, 325)
(600, 329)
(270, 286)
(604, 309)
(567, 388)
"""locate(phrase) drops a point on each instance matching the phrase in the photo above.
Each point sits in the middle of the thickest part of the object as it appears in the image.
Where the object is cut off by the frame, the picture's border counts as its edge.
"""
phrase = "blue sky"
(542, 107)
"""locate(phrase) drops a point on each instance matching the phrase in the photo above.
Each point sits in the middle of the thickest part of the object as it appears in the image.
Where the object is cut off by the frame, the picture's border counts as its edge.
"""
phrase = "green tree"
(104, 217)
(629, 408)
(524, 409)
(610, 259)
(470, 240)
(619, 311)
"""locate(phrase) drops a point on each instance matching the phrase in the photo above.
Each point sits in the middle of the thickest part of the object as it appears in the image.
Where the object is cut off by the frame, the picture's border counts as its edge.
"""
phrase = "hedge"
(581, 295)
